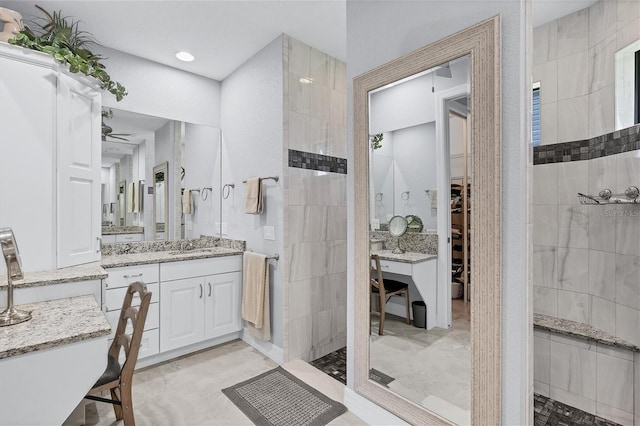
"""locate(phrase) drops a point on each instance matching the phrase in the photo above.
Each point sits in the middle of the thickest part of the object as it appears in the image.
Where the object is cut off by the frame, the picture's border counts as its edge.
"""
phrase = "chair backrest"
(131, 342)
(376, 274)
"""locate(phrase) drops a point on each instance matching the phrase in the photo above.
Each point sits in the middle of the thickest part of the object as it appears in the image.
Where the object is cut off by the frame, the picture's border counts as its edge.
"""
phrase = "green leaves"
(61, 37)
(376, 141)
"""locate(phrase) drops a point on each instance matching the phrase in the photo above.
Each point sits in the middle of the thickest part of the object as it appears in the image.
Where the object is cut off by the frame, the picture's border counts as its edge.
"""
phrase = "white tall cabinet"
(49, 160)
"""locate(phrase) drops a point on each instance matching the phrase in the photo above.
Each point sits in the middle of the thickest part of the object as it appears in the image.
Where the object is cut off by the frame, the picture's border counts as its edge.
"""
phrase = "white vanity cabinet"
(115, 288)
(199, 300)
(50, 152)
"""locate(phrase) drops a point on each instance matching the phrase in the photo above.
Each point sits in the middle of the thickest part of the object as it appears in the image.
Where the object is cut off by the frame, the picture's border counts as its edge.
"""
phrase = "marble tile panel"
(547, 74)
(627, 320)
(339, 288)
(541, 334)
(307, 223)
(573, 269)
(573, 306)
(336, 256)
(298, 57)
(320, 67)
(545, 271)
(545, 300)
(573, 118)
(541, 357)
(337, 140)
(545, 225)
(602, 272)
(541, 388)
(549, 123)
(319, 102)
(602, 64)
(636, 387)
(602, 174)
(628, 280)
(573, 369)
(602, 111)
(545, 42)
(628, 11)
(573, 33)
(629, 33)
(300, 332)
(572, 178)
(613, 414)
(310, 187)
(602, 226)
(298, 131)
(337, 223)
(615, 382)
(575, 341)
(573, 81)
(622, 353)
(300, 299)
(627, 171)
(628, 229)
(545, 184)
(321, 328)
(572, 399)
(339, 322)
(338, 108)
(340, 76)
(307, 260)
(603, 16)
(603, 315)
(299, 95)
(573, 226)
(322, 294)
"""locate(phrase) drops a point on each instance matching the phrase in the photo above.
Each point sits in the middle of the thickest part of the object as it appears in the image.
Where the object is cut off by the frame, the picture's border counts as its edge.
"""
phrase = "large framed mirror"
(479, 105)
(161, 200)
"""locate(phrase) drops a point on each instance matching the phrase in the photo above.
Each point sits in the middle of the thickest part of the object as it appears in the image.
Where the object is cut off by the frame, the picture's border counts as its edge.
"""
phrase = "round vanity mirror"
(397, 226)
(414, 223)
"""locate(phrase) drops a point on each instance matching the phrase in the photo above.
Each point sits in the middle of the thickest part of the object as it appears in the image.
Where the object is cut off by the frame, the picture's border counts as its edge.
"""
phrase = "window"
(535, 125)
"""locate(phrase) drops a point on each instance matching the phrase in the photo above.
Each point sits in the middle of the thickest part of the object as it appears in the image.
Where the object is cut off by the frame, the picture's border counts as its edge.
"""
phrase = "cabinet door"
(181, 313)
(78, 175)
(222, 307)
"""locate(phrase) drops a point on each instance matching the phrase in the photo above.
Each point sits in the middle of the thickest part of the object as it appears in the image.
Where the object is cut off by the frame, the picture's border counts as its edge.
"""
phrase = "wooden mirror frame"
(482, 42)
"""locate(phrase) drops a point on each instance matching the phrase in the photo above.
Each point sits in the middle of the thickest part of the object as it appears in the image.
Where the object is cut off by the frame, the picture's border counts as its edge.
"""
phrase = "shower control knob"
(605, 194)
(632, 192)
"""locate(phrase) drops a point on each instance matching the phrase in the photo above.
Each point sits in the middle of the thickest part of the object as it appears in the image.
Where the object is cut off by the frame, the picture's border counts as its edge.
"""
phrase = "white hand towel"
(186, 202)
(433, 195)
(136, 197)
(255, 295)
(130, 197)
(253, 197)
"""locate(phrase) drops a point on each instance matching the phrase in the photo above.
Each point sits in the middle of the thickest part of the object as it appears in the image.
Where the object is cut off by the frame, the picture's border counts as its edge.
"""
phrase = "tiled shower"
(586, 257)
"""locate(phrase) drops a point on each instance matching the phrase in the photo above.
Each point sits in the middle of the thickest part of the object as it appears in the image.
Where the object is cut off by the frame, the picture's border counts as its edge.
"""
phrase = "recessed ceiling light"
(185, 56)
(306, 80)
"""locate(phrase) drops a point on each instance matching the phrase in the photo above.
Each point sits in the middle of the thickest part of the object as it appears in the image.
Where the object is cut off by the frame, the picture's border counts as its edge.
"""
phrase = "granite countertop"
(406, 257)
(116, 230)
(86, 272)
(586, 331)
(131, 259)
(54, 323)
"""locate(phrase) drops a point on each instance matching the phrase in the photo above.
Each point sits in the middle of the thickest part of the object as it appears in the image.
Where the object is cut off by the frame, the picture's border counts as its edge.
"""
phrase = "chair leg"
(383, 309)
(127, 405)
(117, 409)
(406, 298)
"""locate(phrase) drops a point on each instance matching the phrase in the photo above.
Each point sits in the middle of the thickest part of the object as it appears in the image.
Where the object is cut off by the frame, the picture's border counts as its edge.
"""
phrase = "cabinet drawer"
(128, 238)
(395, 267)
(153, 319)
(122, 277)
(149, 345)
(115, 297)
(199, 268)
(108, 239)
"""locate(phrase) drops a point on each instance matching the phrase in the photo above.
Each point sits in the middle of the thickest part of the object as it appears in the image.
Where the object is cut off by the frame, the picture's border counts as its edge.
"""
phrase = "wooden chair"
(117, 378)
(385, 289)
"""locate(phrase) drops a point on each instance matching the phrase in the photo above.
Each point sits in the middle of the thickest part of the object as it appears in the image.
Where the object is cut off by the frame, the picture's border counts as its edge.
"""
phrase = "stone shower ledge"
(578, 329)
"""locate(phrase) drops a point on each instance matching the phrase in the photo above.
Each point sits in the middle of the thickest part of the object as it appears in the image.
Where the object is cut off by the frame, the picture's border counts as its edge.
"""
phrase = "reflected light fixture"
(185, 56)
(306, 80)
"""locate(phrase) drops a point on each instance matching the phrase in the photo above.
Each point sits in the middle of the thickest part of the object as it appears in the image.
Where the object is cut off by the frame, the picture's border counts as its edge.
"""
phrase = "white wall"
(252, 123)
(408, 26)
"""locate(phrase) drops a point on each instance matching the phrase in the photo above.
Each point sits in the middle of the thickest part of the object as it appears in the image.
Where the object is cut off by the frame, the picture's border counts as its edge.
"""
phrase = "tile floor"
(549, 412)
(187, 390)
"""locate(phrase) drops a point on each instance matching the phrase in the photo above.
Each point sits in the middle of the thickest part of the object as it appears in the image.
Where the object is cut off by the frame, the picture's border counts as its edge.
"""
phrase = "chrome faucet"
(11, 315)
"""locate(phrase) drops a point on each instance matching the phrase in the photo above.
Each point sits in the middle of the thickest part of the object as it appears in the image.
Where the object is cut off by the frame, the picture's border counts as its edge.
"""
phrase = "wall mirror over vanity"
(427, 153)
(147, 165)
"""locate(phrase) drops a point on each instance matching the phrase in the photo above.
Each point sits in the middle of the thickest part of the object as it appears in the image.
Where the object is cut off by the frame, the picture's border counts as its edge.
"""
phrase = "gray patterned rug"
(277, 398)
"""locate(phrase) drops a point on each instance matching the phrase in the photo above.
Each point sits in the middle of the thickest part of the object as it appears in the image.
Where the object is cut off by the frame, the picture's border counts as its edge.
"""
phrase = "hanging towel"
(186, 202)
(255, 295)
(130, 198)
(253, 197)
(136, 197)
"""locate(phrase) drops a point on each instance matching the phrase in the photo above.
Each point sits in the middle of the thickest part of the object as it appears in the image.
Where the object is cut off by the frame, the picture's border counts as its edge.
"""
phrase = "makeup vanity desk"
(421, 268)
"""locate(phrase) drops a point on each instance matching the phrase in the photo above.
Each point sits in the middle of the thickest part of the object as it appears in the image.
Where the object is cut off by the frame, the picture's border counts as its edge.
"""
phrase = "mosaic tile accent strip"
(549, 412)
(311, 161)
(617, 142)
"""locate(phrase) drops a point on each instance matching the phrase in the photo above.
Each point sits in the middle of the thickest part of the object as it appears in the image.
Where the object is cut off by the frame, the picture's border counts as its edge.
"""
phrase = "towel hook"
(227, 187)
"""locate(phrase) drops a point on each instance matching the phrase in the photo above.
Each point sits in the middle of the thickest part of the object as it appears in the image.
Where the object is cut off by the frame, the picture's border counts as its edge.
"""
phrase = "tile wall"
(315, 216)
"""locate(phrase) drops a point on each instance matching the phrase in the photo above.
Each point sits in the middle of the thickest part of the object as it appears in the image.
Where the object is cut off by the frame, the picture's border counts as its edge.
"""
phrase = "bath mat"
(379, 377)
(277, 398)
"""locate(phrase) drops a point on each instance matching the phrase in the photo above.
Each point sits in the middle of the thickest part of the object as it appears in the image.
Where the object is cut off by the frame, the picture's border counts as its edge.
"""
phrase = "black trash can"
(419, 314)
